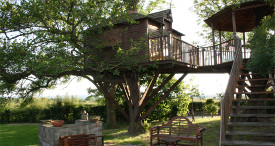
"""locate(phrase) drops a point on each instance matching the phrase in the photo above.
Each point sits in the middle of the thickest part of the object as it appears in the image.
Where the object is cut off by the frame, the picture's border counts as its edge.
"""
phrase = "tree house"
(158, 43)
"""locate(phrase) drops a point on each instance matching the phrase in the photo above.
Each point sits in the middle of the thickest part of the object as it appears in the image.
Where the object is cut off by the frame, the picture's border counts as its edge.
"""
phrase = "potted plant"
(57, 123)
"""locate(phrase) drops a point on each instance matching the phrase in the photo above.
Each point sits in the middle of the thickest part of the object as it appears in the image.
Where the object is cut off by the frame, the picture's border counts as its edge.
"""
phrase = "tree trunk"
(135, 127)
(109, 94)
(111, 114)
(132, 82)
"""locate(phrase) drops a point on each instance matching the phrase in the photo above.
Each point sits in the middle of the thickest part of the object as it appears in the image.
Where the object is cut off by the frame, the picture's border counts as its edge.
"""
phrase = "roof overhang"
(177, 32)
(247, 16)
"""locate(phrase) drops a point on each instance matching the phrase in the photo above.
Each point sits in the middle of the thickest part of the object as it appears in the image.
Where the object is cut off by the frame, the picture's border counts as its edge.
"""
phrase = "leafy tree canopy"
(205, 9)
(262, 44)
(43, 40)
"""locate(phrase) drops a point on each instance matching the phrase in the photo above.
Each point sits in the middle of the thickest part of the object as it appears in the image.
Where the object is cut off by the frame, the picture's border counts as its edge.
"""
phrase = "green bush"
(67, 109)
(199, 107)
(211, 107)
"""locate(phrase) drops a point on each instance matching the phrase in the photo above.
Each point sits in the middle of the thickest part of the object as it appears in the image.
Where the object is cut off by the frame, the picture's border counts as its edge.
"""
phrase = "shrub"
(67, 109)
(211, 107)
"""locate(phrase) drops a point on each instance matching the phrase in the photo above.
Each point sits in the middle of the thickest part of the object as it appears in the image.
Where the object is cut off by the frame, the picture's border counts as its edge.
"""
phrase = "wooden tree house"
(162, 45)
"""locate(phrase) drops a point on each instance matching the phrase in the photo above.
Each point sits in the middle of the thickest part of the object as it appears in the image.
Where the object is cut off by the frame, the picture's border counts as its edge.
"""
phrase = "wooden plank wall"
(122, 36)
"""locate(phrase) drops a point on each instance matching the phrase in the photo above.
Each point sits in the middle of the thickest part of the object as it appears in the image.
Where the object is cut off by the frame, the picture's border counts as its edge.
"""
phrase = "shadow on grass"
(119, 136)
(212, 134)
(27, 135)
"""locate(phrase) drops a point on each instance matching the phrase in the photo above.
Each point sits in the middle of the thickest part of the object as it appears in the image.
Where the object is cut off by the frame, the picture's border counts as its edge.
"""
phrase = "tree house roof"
(157, 17)
(248, 15)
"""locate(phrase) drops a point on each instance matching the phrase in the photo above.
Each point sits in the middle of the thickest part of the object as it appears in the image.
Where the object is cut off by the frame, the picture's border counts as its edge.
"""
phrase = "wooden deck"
(175, 55)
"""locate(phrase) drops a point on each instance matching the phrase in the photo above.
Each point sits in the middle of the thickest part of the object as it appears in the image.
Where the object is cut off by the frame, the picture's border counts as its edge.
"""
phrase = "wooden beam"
(154, 92)
(234, 24)
(214, 43)
(169, 45)
(198, 55)
(244, 56)
(220, 36)
(126, 94)
(104, 90)
(149, 88)
(163, 97)
(234, 31)
(249, 7)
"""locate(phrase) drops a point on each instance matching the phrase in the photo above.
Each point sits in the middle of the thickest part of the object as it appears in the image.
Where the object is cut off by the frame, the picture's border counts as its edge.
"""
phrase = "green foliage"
(211, 107)
(210, 101)
(43, 41)
(67, 109)
(205, 9)
(262, 45)
(176, 103)
(146, 125)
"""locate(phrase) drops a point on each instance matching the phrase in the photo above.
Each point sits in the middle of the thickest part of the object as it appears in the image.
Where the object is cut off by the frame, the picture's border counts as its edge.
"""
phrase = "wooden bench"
(178, 128)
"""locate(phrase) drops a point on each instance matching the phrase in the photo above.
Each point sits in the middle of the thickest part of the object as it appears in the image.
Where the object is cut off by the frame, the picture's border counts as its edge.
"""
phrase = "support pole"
(213, 36)
(169, 46)
(234, 31)
(198, 55)
(244, 51)
(220, 36)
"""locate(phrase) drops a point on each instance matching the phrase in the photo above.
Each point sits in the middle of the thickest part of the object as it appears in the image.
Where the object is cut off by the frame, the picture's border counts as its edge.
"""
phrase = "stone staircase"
(252, 120)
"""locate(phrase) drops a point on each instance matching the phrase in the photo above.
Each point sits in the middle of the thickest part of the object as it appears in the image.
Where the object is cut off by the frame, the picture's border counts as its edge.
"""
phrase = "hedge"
(69, 110)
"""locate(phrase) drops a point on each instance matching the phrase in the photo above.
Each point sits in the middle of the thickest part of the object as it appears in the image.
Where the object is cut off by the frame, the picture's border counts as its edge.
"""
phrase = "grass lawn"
(27, 134)
(18, 134)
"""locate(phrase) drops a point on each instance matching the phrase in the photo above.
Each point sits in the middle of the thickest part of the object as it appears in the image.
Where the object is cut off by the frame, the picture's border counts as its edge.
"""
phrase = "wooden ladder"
(252, 117)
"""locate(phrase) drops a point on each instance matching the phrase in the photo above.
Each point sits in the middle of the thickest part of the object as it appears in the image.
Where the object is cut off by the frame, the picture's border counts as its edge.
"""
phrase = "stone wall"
(49, 135)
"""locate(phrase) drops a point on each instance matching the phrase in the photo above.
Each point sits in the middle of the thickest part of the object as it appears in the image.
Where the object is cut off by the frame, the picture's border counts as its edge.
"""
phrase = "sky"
(184, 21)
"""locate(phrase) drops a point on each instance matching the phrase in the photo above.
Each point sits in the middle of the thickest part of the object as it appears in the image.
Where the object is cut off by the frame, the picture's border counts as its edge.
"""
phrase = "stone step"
(256, 124)
(250, 133)
(253, 107)
(248, 143)
(253, 115)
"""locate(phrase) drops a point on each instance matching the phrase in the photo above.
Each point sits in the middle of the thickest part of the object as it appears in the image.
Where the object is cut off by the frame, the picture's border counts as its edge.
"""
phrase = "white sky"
(185, 21)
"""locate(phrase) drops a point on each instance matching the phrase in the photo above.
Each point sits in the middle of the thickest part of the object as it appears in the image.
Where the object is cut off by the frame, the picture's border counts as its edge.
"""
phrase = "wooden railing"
(224, 53)
(170, 48)
(231, 86)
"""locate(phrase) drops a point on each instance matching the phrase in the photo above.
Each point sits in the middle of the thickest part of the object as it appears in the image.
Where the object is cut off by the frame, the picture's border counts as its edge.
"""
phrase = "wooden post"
(202, 53)
(198, 56)
(213, 36)
(244, 51)
(234, 31)
(169, 46)
(220, 36)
